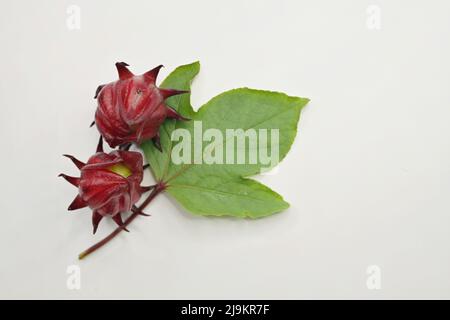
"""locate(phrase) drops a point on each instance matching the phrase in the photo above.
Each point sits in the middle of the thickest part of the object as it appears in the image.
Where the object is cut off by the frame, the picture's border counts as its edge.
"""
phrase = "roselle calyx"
(109, 184)
(131, 109)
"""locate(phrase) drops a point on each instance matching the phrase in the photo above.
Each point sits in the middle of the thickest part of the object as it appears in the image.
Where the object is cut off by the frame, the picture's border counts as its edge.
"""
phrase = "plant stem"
(158, 189)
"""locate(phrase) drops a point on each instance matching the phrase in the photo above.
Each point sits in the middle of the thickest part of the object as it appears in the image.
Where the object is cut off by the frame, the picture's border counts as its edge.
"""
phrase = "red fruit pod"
(109, 184)
(131, 109)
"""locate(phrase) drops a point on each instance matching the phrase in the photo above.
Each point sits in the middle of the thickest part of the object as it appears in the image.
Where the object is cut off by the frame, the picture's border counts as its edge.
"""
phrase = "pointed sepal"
(157, 142)
(72, 180)
(77, 203)
(151, 75)
(136, 210)
(77, 162)
(99, 88)
(100, 144)
(171, 113)
(125, 146)
(123, 71)
(147, 188)
(166, 93)
(118, 220)
(96, 218)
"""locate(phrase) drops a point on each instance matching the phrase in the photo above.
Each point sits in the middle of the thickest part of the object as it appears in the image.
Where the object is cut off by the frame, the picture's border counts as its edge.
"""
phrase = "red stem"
(158, 189)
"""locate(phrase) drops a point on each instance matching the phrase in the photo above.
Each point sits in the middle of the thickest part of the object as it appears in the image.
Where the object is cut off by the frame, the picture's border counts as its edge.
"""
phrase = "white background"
(368, 177)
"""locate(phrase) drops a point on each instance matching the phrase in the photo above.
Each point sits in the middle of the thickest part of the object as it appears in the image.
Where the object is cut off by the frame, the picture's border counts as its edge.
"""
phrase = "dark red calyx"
(109, 184)
(131, 109)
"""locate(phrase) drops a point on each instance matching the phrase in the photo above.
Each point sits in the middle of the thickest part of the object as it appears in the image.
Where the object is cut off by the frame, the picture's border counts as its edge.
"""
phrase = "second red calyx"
(109, 184)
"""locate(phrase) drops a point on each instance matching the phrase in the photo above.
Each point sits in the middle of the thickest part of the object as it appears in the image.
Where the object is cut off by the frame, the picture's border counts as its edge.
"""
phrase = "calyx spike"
(99, 88)
(77, 162)
(153, 74)
(72, 180)
(136, 210)
(100, 144)
(77, 203)
(96, 218)
(157, 142)
(147, 188)
(166, 93)
(171, 113)
(118, 220)
(124, 73)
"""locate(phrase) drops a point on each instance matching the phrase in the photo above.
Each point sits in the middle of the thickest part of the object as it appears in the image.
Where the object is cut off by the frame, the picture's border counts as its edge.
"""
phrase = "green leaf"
(181, 79)
(223, 189)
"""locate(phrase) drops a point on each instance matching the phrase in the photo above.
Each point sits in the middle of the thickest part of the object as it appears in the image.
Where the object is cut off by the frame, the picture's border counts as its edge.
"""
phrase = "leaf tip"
(195, 65)
(301, 102)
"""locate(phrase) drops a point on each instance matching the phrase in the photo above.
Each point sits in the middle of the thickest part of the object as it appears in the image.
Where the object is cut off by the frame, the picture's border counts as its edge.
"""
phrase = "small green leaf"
(221, 188)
